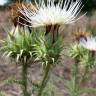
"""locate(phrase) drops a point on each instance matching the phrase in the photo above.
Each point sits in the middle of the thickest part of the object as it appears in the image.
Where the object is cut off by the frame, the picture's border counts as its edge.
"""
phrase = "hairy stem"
(45, 80)
(75, 77)
(24, 79)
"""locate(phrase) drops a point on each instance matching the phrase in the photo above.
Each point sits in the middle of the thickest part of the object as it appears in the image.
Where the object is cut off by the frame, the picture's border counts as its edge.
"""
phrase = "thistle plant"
(90, 45)
(24, 47)
(81, 56)
(19, 47)
(64, 13)
(48, 54)
(76, 52)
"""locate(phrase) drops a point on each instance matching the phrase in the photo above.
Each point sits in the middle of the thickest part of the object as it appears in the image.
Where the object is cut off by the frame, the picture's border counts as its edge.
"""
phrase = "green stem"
(75, 77)
(24, 79)
(45, 80)
(84, 75)
(76, 72)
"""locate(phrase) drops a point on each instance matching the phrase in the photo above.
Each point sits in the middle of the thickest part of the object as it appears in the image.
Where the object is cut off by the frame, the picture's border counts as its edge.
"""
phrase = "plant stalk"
(75, 76)
(45, 80)
(24, 78)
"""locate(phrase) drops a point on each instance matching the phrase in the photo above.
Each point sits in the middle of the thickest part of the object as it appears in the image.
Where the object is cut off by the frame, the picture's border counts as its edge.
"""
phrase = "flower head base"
(19, 46)
(51, 13)
(89, 43)
(80, 34)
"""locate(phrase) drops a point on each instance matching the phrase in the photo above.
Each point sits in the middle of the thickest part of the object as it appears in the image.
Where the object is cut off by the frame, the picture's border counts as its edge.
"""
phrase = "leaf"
(9, 54)
(18, 57)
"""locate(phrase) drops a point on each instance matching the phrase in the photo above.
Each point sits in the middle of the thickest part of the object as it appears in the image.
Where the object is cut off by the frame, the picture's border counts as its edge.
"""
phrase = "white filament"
(89, 43)
(51, 13)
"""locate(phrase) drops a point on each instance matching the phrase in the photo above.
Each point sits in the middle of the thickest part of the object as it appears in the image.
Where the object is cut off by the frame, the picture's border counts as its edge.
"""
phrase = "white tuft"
(51, 13)
(89, 43)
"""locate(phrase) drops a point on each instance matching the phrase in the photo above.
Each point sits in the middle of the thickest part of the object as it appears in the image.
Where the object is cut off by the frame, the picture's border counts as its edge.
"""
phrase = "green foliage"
(23, 46)
(45, 51)
(72, 88)
(77, 51)
(18, 45)
(49, 90)
(86, 58)
(48, 54)
(83, 56)
(87, 61)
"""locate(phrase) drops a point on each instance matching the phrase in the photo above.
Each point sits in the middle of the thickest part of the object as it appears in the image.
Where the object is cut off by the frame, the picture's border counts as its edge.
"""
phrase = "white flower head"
(89, 43)
(51, 13)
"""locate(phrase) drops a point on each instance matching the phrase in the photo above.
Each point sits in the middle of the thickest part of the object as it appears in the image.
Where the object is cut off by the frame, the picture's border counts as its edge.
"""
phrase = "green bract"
(77, 51)
(18, 45)
(46, 51)
(88, 61)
